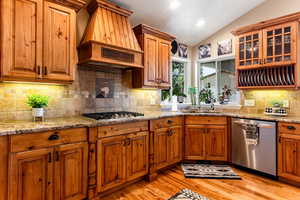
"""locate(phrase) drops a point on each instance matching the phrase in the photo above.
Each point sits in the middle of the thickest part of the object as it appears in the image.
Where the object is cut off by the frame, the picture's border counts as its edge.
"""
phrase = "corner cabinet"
(166, 144)
(157, 58)
(38, 41)
(266, 54)
(122, 154)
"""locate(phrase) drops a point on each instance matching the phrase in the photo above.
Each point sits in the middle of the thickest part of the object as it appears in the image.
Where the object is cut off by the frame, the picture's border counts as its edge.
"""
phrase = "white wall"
(267, 10)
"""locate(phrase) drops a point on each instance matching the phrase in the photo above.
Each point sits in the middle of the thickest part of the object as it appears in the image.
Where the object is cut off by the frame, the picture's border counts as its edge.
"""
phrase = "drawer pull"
(291, 127)
(170, 121)
(54, 136)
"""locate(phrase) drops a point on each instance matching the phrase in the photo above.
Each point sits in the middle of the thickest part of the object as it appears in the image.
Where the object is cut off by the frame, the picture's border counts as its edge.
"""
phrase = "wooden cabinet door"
(137, 156)
(164, 63)
(216, 143)
(289, 157)
(249, 49)
(150, 60)
(194, 142)
(31, 175)
(71, 171)
(59, 42)
(111, 162)
(22, 38)
(160, 148)
(280, 44)
(175, 144)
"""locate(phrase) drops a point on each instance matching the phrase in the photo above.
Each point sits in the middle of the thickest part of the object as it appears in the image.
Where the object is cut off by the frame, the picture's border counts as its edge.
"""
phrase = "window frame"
(216, 62)
(187, 73)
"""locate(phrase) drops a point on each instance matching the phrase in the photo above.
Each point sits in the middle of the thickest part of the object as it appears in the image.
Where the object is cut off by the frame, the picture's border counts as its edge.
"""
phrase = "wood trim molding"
(74, 4)
(146, 29)
(267, 23)
(94, 4)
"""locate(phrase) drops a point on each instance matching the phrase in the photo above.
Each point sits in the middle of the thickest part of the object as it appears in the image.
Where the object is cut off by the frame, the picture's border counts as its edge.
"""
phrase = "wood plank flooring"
(251, 187)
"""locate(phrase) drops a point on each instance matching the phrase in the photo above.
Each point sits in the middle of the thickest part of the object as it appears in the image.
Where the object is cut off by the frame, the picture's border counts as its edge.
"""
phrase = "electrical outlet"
(249, 102)
(285, 103)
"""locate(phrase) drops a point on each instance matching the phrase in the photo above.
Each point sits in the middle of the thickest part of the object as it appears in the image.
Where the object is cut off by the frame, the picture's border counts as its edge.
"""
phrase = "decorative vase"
(38, 114)
(180, 99)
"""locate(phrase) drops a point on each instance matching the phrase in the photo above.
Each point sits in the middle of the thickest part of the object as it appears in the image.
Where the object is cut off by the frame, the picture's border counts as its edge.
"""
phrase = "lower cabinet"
(289, 151)
(31, 175)
(166, 142)
(52, 172)
(121, 159)
(206, 141)
(167, 146)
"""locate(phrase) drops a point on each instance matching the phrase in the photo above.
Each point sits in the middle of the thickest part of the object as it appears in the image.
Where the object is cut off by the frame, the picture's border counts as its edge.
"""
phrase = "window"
(219, 75)
(177, 83)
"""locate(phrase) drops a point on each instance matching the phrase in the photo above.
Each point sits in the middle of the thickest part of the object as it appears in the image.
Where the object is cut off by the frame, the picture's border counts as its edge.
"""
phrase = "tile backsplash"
(263, 98)
(78, 98)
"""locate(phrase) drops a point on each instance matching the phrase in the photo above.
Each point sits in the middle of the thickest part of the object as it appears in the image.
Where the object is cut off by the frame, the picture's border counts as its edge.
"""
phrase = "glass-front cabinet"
(250, 49)
(272, 46)
(280, 44)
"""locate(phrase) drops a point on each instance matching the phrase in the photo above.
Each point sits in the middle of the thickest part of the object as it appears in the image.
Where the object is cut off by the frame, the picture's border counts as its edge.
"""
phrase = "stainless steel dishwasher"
(254, 145)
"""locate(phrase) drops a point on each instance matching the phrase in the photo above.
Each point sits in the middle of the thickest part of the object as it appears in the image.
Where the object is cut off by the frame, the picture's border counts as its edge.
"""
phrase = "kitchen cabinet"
(70, 171)
(38, 41)
(266, 54)
(289, 152)
(157, 58)
(57, 172)
(31, 175)
(165, 143)
(59, 42)
(122, 154)
(206, 138)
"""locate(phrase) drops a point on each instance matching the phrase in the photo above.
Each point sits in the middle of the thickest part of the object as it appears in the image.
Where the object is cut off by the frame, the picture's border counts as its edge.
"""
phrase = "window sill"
(168, 106)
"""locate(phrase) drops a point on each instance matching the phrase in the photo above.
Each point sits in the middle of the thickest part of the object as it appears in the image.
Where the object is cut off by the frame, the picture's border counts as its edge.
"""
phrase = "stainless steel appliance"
(254, 144)
(112, 115)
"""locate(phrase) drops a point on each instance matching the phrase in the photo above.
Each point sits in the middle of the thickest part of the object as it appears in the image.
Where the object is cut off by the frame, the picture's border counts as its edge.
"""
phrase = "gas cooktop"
(112, 115)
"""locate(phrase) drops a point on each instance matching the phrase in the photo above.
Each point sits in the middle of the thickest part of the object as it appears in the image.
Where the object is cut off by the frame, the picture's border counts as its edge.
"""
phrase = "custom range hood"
(108, 39)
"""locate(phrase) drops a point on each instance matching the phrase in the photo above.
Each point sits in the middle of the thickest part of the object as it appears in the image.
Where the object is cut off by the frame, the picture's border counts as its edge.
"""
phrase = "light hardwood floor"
(251, 187)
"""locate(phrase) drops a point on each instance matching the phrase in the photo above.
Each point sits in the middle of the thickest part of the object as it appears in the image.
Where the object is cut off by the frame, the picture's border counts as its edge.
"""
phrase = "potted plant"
(37, 103)
(206, 95)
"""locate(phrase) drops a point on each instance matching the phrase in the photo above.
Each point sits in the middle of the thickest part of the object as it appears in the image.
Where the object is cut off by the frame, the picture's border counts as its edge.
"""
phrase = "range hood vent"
(109, 37)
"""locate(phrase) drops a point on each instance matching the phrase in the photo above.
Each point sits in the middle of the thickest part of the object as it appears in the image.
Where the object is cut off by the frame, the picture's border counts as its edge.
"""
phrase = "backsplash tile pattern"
(264, 97)
(78, 98)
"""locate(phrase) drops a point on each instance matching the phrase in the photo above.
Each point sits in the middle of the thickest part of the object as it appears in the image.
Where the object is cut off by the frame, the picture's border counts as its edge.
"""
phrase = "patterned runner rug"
(208, 171)
(186, 194)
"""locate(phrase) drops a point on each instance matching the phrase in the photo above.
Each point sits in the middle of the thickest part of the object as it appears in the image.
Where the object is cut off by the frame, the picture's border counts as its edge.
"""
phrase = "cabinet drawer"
(32, 141)
(196, 120)
(289, 128)
(120, 129)
(166, 122)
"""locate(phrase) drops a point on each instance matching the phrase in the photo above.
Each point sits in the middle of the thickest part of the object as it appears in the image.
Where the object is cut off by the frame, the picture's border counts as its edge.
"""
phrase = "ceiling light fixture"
(174, 4)
(200, 23)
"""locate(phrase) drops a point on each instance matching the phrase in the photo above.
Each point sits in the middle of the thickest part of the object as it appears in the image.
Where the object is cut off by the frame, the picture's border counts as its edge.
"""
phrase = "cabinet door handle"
(279, 139)
(49, 157)
(54, 136)
(57, 156)
(45, 71)
(38, 68)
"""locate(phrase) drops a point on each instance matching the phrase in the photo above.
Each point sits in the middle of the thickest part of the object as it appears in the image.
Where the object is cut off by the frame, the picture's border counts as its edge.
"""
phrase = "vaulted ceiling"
(191, 21)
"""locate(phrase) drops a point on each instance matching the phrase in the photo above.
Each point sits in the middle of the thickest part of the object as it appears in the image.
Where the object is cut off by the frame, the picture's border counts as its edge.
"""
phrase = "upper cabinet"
(38, 40)
(157, 58)
(266, 54)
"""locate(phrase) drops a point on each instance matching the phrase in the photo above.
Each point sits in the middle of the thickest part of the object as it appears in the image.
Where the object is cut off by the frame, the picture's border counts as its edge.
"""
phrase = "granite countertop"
(22, 127)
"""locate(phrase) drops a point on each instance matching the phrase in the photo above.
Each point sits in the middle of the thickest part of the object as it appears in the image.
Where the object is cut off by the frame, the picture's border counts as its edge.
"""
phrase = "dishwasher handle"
(261, 125)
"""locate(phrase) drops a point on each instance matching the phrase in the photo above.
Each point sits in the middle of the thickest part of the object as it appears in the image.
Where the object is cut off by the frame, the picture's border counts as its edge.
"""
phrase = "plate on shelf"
(272, 76)
(288, 76)
(292, 75)
(284, 75)
(279, 74)
(268, 78)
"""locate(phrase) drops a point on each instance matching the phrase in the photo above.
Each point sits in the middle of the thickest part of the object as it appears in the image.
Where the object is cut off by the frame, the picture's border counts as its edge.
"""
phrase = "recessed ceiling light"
(174, 4)
(200, 23)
